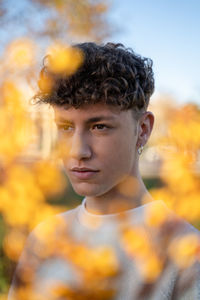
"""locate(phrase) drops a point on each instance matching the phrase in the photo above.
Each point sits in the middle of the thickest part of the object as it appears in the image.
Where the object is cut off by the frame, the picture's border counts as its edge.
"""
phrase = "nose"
(79, 148)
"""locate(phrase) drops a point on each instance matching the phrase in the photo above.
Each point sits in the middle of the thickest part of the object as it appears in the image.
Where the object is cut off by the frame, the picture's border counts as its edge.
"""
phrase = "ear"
(145, 126)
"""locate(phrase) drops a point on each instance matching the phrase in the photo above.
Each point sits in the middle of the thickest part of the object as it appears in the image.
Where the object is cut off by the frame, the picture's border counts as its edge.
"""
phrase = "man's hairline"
(136, 114)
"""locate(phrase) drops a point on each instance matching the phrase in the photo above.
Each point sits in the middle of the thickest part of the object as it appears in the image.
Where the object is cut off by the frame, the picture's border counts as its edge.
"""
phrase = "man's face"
(100, 143)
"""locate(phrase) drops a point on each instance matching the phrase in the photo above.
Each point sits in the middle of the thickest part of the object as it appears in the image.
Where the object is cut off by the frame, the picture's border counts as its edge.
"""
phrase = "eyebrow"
(89, 121)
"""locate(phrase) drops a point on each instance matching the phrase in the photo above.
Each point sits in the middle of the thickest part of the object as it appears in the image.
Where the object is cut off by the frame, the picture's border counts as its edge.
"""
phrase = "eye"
(66, 127)
(100, 127)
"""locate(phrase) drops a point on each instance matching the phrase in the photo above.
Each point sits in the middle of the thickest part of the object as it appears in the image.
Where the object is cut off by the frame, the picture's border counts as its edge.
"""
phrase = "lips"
(76, 169)
(83, 173)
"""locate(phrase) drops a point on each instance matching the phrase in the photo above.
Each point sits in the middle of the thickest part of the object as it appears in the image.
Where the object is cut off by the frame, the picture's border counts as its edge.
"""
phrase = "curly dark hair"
(109, 73)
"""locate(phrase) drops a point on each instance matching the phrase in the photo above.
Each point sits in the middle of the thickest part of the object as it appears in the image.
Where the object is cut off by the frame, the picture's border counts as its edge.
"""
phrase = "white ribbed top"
(95, 230)
(89, 219)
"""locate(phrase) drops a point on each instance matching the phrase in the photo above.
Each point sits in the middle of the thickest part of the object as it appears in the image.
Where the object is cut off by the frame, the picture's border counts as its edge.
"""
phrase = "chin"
(85, 189)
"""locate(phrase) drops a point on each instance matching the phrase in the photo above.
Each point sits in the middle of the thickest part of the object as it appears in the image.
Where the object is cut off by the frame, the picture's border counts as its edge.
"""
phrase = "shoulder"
(169, 235)
(177, 244)
(47, 234)
(156, 215)
(42, 243)
(54, 226)
(176, 239)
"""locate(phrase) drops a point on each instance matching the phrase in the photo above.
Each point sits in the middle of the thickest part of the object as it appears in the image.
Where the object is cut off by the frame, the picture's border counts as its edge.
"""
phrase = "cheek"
(118, 154)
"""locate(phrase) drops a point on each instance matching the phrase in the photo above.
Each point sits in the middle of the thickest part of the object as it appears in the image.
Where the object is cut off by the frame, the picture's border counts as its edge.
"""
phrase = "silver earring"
(139, 150)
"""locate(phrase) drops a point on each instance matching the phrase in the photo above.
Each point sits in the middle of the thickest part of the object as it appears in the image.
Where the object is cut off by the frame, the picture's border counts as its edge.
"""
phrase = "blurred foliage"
(180, 171)
(32, 186)
(52, 20)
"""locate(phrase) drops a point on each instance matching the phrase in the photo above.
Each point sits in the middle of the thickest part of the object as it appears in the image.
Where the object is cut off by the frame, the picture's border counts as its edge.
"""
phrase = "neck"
(129, 194)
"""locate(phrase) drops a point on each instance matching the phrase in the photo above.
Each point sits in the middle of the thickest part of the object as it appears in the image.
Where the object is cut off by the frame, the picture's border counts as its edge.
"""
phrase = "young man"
(106, 248)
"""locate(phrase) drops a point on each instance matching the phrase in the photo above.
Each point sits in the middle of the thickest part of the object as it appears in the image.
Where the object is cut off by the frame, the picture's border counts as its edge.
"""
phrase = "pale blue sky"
(168, 31)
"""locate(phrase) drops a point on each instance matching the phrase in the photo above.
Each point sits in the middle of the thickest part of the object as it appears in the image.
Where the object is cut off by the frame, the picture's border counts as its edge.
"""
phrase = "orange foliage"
(21, 54)
(180, 171)
(137, 244)
(185, 250)
(64, 59)
(26, 182)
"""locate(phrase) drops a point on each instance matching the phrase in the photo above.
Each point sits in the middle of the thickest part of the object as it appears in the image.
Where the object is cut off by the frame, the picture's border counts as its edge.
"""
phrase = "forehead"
(91, 111)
